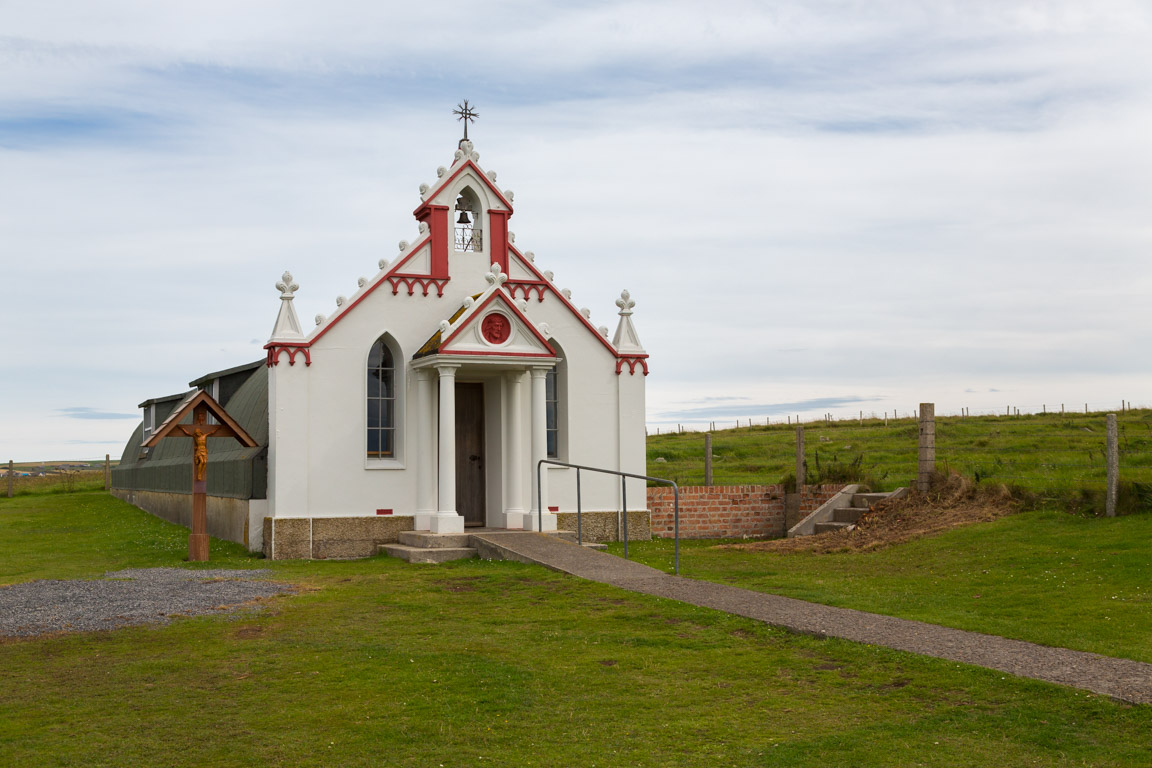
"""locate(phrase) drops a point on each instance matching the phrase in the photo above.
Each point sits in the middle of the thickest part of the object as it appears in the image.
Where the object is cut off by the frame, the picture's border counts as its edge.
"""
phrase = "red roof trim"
(440, 187)
(391, 271)
(476, 313)
(539, 276)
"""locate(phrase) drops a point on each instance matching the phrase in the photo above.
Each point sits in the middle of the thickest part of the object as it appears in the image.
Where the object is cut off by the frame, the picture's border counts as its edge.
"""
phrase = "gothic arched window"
(381, 401)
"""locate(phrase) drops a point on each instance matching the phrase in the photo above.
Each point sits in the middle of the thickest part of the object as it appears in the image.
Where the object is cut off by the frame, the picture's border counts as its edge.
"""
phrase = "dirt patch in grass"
(953, 501)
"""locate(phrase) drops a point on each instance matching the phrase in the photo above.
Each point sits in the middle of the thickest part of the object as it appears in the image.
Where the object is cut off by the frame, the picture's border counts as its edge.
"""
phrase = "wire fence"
(1046, 453)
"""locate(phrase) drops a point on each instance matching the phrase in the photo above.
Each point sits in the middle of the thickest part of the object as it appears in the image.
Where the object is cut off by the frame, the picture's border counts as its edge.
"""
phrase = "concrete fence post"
(927, 460)
(707, 458)
(1113, 466)
(801, 464)
(107, 472)
(11, 477)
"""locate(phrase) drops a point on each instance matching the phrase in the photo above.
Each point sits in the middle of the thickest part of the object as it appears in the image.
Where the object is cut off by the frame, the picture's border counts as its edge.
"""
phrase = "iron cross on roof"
(466, 114)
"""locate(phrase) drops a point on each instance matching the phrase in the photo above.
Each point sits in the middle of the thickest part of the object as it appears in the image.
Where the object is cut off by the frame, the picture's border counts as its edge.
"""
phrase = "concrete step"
(847, 514)
(865, 500)
(428, 540)
(831, 526)
(596, 546)
(426, 554)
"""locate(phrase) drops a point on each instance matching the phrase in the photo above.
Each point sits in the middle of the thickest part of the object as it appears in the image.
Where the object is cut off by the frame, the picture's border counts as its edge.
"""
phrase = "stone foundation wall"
(227, 517)
(323, 538)
(605, 526)
(730, 511)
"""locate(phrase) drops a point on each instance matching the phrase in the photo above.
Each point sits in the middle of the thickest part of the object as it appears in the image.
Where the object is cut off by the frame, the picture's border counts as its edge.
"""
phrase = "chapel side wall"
(228, 518)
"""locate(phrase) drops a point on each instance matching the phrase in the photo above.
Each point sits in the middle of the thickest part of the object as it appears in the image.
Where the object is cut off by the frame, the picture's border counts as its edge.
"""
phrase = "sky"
(828, 206)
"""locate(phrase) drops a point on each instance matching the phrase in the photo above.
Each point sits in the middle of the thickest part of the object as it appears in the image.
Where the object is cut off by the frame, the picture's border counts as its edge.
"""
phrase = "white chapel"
(425, 401)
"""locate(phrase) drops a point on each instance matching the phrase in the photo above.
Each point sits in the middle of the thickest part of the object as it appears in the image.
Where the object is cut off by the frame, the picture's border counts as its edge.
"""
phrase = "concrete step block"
(427, 555)
(595, 545)
(847, 514)
(865, 500)
(832, 526)
(434, 540)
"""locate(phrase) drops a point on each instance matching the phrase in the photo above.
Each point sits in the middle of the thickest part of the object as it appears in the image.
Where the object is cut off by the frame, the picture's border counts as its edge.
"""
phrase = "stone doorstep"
(426, 540)
(411, 554)
(426, 547)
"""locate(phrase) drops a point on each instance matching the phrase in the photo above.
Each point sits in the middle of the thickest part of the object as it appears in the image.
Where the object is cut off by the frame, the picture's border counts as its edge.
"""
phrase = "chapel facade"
(425, 401)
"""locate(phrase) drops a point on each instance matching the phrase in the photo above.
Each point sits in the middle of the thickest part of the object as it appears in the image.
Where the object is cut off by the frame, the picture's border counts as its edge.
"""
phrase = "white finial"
(566, 293)
(512, 237)
(495, 276)
(468, 302)
(603, 331)
(423, 191)
(625, 303)
(423, 228)
(361, 282)
(510, 195)
(586, 312)
(320, 319)
(522, 305)
(287, 327)
(492, 175)
(403, 246)
(445, 326)
(440, 172)
(286, 286)
(549, 274)
(340, 300)
(383, 263)
(530, 256)
(626, 341)
(545, 331)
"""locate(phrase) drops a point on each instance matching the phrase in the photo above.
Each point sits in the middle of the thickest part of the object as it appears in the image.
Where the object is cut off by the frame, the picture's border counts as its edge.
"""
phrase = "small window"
(381, 402)
(552, 414)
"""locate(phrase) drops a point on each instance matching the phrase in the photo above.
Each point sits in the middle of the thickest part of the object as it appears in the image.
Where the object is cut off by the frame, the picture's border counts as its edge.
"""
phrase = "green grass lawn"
(1042, 575)
(377, 662)
(1052, 454)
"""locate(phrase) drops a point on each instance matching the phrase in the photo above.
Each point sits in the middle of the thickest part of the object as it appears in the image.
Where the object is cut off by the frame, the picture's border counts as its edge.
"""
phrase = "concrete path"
(1122, 679)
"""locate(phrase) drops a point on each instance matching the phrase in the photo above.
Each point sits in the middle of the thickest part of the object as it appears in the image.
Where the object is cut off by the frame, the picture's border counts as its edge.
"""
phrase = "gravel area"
(129, 597)
(1122, 679)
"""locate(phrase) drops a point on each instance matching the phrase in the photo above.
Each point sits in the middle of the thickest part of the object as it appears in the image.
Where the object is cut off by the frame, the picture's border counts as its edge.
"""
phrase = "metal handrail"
(623, 499)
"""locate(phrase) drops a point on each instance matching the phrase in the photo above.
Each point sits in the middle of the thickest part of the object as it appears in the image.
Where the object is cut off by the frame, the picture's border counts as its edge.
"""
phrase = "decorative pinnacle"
(286, 287)
(625, 303)
(465, 113)
(495, 275)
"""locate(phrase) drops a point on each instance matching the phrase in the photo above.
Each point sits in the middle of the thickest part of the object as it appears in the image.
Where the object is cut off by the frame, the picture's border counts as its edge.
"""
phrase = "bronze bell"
(463, 218)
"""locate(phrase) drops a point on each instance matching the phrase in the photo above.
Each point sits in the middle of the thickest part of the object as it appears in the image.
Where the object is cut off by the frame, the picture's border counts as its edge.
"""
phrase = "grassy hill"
(1046, 455)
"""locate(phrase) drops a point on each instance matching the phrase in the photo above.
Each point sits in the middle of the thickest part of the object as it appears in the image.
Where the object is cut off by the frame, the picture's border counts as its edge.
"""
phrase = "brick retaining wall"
(730, 511)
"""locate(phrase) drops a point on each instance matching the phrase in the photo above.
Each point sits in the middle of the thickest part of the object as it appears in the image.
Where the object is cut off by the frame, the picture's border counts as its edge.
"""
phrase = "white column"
(425, 451)
(514, 475)
(539, 519)
(446, 520)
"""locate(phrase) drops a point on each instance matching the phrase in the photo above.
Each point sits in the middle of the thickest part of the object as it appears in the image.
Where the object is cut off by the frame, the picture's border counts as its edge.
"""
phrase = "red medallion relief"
(496, 328)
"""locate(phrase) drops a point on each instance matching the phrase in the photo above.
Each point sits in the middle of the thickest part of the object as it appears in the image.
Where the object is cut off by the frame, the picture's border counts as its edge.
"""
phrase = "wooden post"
(1113, 466)
(927, 459)
(11, 477)
(107, 472)
(707, 458)
(801, 464)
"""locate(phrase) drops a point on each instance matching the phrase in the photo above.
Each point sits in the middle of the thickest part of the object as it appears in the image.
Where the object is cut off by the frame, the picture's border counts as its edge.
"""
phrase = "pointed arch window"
(469, 229)
(381, 401)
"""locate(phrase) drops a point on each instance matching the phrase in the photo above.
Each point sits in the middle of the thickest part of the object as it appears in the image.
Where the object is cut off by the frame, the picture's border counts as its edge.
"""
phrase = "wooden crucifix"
(201, 405)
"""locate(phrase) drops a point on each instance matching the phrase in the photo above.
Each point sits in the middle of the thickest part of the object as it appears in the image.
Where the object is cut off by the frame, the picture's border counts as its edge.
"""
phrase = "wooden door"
(470, 490)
